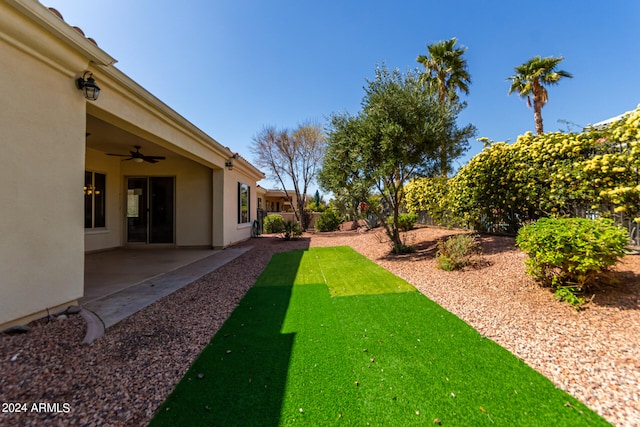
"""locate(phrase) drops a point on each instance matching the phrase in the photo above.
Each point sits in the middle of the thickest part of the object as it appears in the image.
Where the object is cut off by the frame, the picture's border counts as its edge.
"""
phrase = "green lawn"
(327, 337)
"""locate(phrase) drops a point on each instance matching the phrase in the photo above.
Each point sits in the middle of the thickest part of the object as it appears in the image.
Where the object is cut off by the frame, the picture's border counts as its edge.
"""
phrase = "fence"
(631, 226)
(488, 226)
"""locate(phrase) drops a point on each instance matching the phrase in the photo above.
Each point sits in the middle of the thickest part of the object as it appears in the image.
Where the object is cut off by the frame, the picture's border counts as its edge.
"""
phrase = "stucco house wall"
(41, 169)
(238, 231)
(51, 135)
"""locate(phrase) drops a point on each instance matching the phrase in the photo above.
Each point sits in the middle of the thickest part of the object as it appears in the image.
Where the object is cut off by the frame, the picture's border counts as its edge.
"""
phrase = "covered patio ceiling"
(108, 138)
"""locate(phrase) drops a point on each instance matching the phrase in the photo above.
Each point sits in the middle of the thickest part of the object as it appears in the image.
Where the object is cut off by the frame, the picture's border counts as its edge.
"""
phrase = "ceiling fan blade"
(138, 155)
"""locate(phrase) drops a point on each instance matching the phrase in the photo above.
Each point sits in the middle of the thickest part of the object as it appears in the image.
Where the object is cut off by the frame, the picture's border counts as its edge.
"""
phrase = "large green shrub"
(273, 223)
(457, 252)
(328, 221)
(571, 253)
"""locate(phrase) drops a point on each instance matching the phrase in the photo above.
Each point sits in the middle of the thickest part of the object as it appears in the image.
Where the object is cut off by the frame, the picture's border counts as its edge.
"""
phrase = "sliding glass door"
(150, 209)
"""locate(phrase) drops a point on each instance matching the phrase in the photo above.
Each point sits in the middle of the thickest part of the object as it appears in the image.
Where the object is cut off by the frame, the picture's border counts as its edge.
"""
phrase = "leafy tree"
(446, 73)
(342, 171)
(291, 156)
(530, 80)
(394, 138)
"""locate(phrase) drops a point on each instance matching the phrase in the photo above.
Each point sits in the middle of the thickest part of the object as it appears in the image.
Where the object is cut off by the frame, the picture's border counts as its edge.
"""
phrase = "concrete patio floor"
(123, 281)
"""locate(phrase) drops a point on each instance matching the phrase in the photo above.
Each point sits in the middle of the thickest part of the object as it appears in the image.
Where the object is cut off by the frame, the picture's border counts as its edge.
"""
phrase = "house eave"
(57, 27)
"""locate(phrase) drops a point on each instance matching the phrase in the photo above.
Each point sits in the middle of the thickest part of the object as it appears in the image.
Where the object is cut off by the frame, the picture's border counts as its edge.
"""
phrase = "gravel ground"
(124, 376)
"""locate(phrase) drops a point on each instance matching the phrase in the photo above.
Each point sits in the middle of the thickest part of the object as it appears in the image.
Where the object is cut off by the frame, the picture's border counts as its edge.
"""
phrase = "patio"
(123, 281)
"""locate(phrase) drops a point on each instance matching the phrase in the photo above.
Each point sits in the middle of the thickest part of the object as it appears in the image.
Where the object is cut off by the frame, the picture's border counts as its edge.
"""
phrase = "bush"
(406, 221)
(457, 252)
(312, 207)
(328, 221)
(571, 254)
(291, 230)
(273, 223)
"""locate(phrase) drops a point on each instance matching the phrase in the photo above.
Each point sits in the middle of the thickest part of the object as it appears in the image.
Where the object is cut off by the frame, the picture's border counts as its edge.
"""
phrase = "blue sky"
(232, 67)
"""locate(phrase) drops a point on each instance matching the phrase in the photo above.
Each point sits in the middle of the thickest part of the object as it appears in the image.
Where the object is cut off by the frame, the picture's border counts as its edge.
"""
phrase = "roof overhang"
(58, 28)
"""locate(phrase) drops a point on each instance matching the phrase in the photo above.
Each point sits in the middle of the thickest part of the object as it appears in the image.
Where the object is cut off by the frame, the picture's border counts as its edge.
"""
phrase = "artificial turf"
(327, 337)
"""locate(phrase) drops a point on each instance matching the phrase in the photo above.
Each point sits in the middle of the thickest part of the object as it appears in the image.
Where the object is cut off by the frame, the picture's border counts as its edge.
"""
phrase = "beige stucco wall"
(41, 168)
(235, 232)
(193, 205)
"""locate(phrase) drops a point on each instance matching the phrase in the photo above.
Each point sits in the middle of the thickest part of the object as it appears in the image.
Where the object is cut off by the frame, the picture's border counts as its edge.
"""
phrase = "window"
(243, 204)
(94, 199)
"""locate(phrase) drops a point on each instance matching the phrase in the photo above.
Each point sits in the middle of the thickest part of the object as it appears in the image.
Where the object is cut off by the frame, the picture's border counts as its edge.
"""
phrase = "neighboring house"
(62, 195)
(605, 123)
(277, 200)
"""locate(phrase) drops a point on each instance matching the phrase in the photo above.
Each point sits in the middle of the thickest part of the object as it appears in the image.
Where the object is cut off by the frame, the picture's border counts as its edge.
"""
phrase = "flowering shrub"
(430, 195)
(506, 186)
(570, 254)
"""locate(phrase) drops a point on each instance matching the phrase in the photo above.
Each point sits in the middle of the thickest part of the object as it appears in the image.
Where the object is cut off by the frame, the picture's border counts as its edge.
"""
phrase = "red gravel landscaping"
(122, 377)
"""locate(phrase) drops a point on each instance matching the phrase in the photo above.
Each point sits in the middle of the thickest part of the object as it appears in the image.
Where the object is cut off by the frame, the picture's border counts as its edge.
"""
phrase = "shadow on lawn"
(240, 377)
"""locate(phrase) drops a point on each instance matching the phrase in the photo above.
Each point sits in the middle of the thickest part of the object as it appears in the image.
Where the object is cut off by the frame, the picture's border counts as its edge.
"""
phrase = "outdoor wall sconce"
(88, 86)
(229, 163)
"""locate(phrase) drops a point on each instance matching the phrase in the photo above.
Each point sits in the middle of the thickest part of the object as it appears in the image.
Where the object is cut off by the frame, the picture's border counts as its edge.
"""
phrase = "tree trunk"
(537, 106)
(303, 220)
(393, 230)
(355, 224)
(444, 162)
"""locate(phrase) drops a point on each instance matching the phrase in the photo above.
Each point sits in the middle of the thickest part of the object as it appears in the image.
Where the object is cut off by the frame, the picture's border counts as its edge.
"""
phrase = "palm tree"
(531, 79)
(446, 69)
